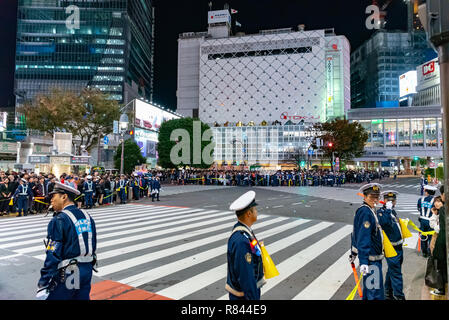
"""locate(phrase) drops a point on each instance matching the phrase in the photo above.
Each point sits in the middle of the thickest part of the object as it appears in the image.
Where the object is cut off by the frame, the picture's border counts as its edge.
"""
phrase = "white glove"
(42, 294)
(389, 205)
(364, 269)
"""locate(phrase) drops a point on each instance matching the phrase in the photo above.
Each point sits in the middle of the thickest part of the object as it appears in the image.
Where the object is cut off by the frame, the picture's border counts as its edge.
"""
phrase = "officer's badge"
(375, 188)
(248, 257)
(366, 224)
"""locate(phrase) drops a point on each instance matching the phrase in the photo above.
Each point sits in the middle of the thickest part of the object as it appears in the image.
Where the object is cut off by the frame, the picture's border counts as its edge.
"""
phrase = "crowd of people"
(28, 193)
(274, 178)
(24, 193)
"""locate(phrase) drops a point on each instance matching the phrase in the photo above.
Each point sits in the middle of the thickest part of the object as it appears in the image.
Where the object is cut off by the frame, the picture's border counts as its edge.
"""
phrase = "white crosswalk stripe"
(181, 252)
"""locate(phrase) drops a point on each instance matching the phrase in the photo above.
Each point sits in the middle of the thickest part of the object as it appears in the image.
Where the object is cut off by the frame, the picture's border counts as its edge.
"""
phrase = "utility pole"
(433, 15)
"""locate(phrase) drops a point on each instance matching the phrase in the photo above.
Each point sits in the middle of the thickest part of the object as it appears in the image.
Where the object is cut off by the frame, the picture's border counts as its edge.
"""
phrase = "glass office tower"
(378, 63)
(111, 48)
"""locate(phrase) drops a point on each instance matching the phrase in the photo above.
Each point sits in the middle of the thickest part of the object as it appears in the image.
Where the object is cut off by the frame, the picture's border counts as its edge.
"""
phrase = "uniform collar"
(68, 206)
(249, 228)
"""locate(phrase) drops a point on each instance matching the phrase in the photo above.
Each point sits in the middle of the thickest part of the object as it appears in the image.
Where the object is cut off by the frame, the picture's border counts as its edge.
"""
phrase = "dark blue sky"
(178, 16)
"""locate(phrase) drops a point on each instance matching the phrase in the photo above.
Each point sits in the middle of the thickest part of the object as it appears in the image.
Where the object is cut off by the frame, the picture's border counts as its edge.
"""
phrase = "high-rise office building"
(104, 44)
(377, 64)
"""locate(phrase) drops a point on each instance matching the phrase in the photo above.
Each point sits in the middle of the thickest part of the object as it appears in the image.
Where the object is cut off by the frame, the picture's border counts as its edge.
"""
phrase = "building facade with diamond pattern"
(279, 75)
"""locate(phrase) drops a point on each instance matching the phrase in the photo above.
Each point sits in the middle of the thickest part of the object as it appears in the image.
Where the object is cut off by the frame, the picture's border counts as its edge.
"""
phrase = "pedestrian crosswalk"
(180, 252)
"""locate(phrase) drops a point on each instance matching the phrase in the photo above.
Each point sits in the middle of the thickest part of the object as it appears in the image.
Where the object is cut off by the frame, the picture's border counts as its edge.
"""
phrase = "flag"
(237, 24)
(233, 11)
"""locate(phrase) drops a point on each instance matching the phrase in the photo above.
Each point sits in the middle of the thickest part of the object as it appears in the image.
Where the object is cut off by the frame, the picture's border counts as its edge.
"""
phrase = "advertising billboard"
(151, 117)
(428, 74)
(407, 83)
(219, 16)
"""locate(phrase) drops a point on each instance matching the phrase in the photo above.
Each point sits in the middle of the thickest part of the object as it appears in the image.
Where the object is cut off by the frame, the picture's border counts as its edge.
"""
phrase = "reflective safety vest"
(24, 190)
(425, 208)
(89, 187)
(81, 226)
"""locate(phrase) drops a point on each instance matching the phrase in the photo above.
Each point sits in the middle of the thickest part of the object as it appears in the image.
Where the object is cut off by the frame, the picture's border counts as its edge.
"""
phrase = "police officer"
(423, 183)
(155, 189)
(89, 192)
(70, 249)
(367, 244)
(135, 184)
(23, 194)
(121, 186)
(425, 205)
(245, 269)
(389, 222)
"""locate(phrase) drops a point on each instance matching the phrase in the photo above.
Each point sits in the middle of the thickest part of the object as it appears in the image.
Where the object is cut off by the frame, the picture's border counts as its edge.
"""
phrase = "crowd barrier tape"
(41, 202)
(424, 233)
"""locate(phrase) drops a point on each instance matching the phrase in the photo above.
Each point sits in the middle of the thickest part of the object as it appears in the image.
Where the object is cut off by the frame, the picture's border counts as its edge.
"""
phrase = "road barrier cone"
(405, 232)
(269, 269)
(388, 247)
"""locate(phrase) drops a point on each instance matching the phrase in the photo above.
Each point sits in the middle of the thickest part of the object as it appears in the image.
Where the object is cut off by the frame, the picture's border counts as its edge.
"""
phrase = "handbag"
(434, 277)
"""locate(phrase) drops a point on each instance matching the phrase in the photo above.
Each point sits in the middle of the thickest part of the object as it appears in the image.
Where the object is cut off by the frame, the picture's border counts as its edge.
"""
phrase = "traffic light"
(330, 144)
(416, 158)
(303, 163)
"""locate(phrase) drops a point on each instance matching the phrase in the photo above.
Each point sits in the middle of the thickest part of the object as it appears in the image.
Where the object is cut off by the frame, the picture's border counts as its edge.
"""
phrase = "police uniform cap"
(370, 188)
(428, 187)
(389, 194)
(66, 189)
(24, 180)
(245, 201)
(89, 177)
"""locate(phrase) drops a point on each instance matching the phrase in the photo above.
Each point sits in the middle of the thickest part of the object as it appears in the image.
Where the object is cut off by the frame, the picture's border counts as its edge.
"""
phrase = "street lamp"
(123, 126)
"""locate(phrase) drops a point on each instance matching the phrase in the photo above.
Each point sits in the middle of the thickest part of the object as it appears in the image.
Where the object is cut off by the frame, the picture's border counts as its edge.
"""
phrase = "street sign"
(310, 152)
(432, 165)
(115, 127)
(106, 140)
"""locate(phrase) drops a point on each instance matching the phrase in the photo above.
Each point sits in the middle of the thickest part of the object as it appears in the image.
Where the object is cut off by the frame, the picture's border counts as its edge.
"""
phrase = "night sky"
(178, 16)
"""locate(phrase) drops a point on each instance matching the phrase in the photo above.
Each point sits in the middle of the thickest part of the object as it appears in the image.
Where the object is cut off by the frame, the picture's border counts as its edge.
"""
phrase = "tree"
(131, 156)
(88, 115)
(344, 139)
(178, 146)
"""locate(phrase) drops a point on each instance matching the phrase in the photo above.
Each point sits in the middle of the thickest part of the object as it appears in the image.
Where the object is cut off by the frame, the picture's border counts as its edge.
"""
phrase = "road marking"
(113, 217)
(325, 286)
(118, 266)
(10, 256)
(199, 281)
(145, 245)
(278, 206)
(162, 271)
(289, 266)
(149, 225)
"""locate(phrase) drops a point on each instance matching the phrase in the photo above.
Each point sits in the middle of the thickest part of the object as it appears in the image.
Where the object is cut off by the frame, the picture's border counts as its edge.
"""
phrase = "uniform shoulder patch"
(366, 224)
(248, 257)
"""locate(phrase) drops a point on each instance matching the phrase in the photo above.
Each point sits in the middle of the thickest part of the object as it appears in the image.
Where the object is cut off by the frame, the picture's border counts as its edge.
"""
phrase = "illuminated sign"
(407, 83)
(151, 117)
(330, 85)
(428, 74)
(219, 16)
